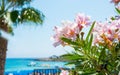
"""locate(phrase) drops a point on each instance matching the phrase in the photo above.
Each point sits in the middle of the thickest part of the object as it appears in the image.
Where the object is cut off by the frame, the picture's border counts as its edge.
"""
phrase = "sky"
(33, 41)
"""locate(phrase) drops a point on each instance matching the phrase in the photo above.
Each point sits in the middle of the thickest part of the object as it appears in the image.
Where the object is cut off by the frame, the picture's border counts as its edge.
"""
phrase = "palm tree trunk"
(3, 46)
(3, 49)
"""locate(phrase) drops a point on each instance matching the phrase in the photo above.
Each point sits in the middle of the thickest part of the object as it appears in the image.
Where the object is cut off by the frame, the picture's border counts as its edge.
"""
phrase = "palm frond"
(31, 14)
(14, 15)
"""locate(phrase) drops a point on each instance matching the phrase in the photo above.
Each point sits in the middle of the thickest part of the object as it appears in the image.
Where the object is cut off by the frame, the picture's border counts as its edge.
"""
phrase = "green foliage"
(69, 41)
(14, 15)
(31, 14)
(10, 30)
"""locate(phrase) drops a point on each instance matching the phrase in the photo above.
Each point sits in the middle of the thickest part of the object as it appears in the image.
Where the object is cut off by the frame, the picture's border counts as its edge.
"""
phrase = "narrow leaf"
(90, 42)
(90, 31)
(69, 41)
(118, 11)
(90, 73)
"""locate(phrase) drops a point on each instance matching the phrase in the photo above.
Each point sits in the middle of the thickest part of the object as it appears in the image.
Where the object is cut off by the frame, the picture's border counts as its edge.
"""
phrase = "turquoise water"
(18, 64)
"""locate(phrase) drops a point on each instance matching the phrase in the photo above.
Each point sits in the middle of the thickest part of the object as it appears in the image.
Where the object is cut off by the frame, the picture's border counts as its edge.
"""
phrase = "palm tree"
(15, 11)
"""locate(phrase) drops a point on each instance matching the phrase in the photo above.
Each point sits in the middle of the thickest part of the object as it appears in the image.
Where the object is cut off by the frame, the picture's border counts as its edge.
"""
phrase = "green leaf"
(90, 42)
(72, 56)
(33, 15)
(14, 15)
(118, 11)
(88, 35)
(89, 73)
(102, 54)
(112, 18)
(69, 41)
(76, 63)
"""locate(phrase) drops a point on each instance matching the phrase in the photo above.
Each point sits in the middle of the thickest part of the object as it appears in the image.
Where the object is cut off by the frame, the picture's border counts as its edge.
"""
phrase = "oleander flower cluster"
(70, 29)
(107, 32)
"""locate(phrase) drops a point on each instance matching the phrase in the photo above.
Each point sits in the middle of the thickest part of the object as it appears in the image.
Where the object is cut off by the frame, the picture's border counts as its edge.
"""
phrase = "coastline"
(50, 59)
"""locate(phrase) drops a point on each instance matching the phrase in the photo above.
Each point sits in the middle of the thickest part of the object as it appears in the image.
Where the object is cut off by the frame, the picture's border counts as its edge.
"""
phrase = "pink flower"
(64, 72)
(57, 36)
(115, 1)
(106, 32)
(82, 20)
(68, 30)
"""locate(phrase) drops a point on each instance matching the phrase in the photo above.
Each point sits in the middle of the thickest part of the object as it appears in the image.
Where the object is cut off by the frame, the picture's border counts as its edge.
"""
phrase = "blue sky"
(34, 41)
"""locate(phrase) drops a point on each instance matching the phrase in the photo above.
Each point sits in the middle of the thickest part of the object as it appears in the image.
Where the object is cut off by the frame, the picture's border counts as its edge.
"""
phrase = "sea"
(18, 64)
